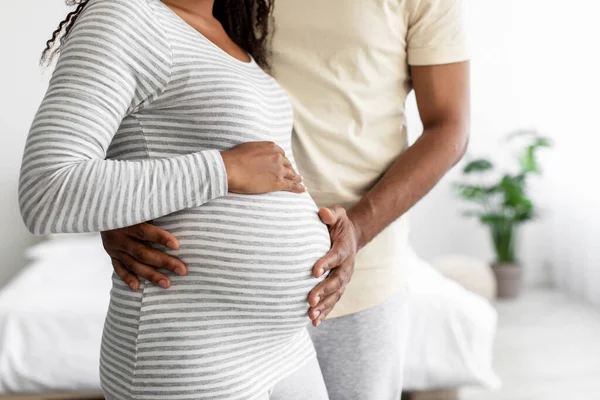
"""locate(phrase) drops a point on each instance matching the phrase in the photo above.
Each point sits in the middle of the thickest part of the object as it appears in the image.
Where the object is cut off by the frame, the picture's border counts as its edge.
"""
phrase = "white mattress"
(52, 314)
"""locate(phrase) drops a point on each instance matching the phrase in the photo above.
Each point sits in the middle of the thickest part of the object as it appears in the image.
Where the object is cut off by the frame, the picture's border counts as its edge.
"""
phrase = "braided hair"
(245, 21)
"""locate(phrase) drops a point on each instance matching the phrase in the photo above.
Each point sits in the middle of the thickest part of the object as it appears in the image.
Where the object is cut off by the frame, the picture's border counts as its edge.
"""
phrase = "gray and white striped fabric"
(130, 130)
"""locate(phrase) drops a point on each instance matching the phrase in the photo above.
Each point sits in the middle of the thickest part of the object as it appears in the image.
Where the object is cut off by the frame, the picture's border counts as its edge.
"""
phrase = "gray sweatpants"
(361, 357)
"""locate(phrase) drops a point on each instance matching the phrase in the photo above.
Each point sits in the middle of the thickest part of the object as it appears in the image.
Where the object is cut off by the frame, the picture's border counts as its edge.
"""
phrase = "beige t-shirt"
(345, 65)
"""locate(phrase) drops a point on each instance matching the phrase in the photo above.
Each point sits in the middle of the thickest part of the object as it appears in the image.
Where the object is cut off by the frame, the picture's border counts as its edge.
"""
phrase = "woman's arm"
(117, 59)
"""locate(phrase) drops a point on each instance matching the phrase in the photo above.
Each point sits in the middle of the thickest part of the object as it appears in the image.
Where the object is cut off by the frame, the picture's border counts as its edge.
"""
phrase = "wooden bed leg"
(451, 394)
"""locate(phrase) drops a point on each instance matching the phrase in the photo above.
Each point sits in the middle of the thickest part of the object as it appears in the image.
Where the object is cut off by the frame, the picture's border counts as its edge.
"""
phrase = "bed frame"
(449, 394)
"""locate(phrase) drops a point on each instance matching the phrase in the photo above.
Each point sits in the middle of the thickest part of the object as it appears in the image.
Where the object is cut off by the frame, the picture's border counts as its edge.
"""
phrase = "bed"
(51, 318)
(52, 314)
(451, 336)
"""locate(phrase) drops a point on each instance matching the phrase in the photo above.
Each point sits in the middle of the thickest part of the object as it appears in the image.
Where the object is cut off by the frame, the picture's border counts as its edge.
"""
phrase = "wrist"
(361, 216)
(226, 163)
(358, 232)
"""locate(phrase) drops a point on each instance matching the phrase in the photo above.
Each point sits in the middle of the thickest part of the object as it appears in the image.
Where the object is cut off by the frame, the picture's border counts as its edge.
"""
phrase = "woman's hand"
(260, 167)
(339, 260)
(133, 258)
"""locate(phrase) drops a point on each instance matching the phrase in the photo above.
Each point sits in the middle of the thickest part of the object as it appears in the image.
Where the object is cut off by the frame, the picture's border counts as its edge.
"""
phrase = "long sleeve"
(115, 61)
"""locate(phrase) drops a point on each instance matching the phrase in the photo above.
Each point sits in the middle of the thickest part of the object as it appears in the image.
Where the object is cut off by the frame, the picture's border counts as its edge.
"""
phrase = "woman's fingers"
(290, 185)
(144, 271)
(131, 280)
(272, 146)
(290, 174)
(286, 162)
(150, 233)
(291, 181)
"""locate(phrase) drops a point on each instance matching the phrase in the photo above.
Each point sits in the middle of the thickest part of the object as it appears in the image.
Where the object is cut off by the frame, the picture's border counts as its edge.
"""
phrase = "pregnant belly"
(250, 260)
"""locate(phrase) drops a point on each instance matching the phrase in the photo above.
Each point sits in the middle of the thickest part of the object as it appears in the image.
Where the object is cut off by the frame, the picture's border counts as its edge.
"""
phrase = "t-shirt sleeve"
(437, 32)
(115, 60)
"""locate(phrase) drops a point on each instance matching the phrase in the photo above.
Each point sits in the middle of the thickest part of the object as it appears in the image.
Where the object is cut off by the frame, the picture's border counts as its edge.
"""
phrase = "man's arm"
(442, 93)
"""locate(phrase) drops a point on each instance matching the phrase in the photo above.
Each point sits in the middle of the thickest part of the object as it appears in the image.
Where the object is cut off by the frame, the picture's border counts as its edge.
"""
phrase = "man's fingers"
(330, 216)
(326, 215)
(144, 271)
(335, 282)
(150, 233)
(322, 317)
(326, 303)
(125, 275)
(318, 314)
(155, 258)
(336, 256)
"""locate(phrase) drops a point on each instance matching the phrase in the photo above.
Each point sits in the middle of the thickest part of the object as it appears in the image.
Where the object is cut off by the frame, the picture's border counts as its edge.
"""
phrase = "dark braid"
(62, 31)
(245, 21)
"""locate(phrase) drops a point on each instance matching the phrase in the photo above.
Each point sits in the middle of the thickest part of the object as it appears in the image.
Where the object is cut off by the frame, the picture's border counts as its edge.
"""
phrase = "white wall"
(536, 64)
(24, 28)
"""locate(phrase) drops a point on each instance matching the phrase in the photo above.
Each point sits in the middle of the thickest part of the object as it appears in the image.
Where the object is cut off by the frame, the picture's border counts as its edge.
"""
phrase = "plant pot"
(508, 280)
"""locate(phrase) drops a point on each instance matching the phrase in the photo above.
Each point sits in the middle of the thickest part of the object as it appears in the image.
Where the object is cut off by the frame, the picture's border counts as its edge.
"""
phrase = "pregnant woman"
(160, 112)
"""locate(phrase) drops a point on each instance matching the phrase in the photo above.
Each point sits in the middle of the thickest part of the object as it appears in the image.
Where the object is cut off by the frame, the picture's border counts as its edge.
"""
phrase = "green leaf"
(520, 179)
(528, 161)
(490, 190)
(493, 219)
(542, 142)
(524, 211)
(513, 190)
(472, 192)
(516, 205)
(479, 165)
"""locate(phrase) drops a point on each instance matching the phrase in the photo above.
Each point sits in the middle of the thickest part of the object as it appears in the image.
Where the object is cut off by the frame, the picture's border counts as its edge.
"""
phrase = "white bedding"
(451, 335)
(52, 314)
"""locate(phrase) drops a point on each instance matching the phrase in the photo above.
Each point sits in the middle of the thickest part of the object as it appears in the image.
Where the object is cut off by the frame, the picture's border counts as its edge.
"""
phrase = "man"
(348, 66)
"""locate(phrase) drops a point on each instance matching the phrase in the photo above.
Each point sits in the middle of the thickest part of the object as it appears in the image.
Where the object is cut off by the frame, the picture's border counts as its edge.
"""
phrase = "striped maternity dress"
(130, 130)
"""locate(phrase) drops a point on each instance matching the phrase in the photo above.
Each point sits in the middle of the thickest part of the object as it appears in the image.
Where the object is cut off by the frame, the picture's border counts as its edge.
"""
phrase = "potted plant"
(503, 205)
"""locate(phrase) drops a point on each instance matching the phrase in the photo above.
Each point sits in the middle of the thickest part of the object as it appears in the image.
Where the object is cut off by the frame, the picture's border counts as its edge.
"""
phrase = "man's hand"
(133, 258)
(339, 260)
